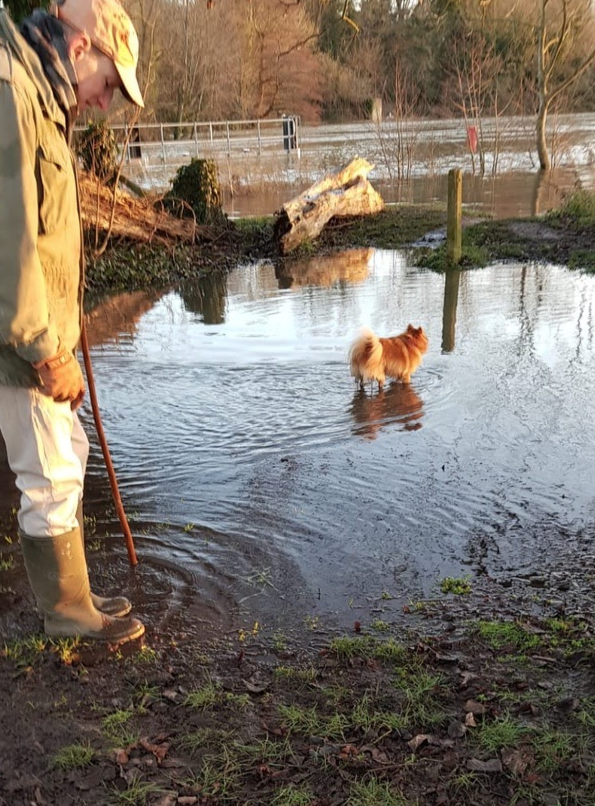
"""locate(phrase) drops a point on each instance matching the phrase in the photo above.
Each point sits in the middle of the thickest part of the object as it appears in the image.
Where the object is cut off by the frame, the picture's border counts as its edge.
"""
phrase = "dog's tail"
(365, 356)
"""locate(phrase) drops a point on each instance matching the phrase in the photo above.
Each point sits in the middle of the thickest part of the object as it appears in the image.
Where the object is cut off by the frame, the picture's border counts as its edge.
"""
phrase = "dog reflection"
(396, 404)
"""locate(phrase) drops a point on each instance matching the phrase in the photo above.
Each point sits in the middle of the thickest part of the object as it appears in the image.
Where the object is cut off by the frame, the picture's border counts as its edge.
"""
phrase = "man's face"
(97, 79)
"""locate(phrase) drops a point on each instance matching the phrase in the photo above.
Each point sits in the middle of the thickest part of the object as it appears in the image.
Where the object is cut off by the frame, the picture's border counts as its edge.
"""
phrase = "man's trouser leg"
(113, 605)
(40, 437)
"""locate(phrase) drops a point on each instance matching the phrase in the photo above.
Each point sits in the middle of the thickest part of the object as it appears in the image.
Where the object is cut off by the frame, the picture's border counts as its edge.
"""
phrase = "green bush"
(197, 184)
(578, 208)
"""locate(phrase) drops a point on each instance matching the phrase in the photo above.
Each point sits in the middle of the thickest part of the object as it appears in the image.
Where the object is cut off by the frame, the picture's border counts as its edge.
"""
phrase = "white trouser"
(47, 451)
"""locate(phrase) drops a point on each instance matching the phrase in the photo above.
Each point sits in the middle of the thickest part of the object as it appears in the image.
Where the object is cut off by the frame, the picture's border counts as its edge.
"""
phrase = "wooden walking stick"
(105, 450)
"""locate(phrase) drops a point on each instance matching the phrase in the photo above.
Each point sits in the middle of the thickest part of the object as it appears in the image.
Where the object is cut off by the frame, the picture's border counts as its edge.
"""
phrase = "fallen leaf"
(456, 730)
(467, 677)
(158, 750)
(169, 799)
(419, 740)
(492, 765)
(517, 761)
(256, 684)
(474, 707)
(121, 757)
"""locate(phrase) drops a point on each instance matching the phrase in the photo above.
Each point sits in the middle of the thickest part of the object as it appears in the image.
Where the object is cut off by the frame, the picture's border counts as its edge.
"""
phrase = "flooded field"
(411, 160)
(262, 484)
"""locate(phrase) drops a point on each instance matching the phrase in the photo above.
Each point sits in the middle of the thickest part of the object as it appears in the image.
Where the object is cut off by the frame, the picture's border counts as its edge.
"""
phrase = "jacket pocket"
(56, 178)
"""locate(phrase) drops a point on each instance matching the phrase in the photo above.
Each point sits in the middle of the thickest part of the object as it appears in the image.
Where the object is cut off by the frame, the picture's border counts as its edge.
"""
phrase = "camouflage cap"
(111, 31)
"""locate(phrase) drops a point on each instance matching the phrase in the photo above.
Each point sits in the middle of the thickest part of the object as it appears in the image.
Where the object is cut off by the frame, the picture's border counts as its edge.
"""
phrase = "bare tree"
(398, 139)
(147, 16)
(278, 68)
(557, 33)
(477, 66)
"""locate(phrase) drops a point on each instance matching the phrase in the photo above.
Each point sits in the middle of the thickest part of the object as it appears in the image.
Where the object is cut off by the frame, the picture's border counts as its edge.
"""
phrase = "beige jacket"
(41, 276)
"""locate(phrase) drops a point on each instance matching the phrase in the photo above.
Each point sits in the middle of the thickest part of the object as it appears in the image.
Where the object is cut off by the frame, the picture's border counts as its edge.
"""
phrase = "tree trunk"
(344, 193)
(542, 150)
(135, 219)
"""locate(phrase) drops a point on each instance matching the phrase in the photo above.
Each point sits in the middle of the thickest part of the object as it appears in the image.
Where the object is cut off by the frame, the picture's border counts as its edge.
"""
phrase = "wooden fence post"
(454, 237)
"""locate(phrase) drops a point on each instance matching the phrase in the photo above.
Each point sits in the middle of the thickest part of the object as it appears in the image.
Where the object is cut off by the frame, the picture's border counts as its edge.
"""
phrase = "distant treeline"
(329, 59)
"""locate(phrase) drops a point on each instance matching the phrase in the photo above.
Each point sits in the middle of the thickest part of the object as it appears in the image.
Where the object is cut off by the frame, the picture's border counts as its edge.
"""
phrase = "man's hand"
(62, 378)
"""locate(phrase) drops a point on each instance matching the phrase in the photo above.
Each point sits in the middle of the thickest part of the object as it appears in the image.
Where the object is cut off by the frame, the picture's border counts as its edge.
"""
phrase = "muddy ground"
(484, 696)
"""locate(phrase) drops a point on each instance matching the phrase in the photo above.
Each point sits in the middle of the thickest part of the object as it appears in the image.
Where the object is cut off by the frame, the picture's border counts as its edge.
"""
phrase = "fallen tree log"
(137, 219)
(346, 192)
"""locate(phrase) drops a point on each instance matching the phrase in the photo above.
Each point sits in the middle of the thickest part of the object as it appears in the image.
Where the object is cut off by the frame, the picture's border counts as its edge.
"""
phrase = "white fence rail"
(175, 143)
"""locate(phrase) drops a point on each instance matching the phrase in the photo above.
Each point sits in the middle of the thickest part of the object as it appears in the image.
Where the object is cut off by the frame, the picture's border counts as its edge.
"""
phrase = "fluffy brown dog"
(372, 359)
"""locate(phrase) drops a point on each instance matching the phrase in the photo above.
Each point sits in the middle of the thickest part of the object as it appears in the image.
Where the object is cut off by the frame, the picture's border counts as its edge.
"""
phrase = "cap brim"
(130, 87)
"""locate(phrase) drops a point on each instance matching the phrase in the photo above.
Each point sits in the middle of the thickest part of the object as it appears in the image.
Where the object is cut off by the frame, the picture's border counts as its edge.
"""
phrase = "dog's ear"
(415, 331)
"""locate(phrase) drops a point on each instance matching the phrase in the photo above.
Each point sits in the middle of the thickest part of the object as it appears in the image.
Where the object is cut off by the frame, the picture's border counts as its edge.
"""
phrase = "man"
(59, 64)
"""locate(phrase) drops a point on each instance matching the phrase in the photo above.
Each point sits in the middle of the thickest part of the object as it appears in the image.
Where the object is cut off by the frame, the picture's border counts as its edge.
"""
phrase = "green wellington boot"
(57, 573)
(113, 605)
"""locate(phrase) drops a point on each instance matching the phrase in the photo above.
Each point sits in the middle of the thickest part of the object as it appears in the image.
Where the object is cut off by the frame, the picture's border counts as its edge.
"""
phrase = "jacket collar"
(24, 53)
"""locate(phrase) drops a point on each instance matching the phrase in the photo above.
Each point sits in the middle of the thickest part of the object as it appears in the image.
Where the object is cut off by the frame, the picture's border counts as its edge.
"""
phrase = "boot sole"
(111, 640)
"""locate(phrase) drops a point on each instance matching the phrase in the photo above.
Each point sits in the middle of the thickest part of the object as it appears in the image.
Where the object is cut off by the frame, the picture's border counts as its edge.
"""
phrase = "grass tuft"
(502, 732)
(376, 793)
(74, 756)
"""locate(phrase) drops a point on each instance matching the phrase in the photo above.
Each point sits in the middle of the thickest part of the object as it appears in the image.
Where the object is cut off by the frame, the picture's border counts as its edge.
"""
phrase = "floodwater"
(514, 194)
(261, 484)
(411, 163)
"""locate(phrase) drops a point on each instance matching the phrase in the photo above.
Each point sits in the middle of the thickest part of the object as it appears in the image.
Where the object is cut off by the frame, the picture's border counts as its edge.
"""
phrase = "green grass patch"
(204, 698)
(310, 722)
(376, 793)
(458, 586)
(379, 625)
(116, 729)
(365, 717)
(501, 634)
(292, 796)
(503, 732)
(25, 651)
(473, 256)
(394, 228)
(67, 649)
(74, 756)
(265, 751)
(586, 713)
(218, 779)
(582, 260)
(303, 676)
(366, 646)
(419, 690)
(137, 793)
(7, 563)
(576, 211)
(554, 748)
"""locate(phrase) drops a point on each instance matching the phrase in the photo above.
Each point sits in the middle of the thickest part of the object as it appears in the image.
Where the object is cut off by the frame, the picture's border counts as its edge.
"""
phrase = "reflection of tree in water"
(117, 317)
(207, 297)
(399, 404)
(349, 266)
